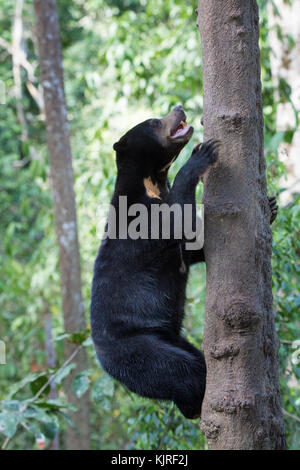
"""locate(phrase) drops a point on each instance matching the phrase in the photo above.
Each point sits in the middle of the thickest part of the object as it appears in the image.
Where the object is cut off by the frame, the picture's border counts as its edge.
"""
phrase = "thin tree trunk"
(51, 362)
(242, 407)
(64, 202)
(17, 60)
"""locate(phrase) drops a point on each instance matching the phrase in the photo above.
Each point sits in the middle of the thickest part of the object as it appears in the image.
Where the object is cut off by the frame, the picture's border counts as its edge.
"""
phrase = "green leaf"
(88, 342)
(19, 385)
(275, 141)
(55, 405)
(63, 373)
(105, 404)
(81, 383)
(63, 336)
(49, 429)
(37, 384)
(8, 423)
(67, 419)
(79, 337)
(103, 388)
(33, 428)
(14, 405)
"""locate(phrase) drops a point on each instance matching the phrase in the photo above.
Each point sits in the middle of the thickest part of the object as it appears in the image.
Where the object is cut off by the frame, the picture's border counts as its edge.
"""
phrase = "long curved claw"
(273, 208)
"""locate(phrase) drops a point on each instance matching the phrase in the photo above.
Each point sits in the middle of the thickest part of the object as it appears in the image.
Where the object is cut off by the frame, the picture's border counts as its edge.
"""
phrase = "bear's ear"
(121, 145)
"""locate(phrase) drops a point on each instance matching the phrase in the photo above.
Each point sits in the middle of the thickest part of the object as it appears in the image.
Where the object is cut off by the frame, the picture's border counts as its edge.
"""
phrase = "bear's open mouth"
(180, 131)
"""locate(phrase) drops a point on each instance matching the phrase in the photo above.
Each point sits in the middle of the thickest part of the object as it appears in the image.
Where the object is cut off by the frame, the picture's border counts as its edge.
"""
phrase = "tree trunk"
(242, 407)
(16, 59)
(64, 202)
(51, 362)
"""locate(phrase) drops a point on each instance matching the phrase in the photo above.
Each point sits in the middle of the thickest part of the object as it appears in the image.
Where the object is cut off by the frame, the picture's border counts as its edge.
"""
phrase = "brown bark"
(242, 407)
(64, 202)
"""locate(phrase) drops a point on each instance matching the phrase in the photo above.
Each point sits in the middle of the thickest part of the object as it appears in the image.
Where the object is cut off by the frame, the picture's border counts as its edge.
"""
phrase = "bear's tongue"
(181, 130)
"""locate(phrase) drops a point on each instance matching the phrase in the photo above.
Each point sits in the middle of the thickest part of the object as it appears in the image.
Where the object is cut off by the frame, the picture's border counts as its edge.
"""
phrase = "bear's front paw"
(206, 154)
(273, 208)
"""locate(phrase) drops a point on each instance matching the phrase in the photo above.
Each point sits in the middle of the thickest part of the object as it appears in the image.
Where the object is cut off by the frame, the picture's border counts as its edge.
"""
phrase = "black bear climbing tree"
(242, 406)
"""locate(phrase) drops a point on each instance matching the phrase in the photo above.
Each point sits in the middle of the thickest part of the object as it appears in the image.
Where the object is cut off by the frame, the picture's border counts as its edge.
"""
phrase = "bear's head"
(154, 143)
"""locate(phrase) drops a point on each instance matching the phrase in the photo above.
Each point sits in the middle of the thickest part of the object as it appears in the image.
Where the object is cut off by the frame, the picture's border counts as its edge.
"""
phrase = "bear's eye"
(156, 123)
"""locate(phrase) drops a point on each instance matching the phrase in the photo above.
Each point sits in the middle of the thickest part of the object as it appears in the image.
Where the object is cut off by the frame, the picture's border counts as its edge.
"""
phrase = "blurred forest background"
(124, 61)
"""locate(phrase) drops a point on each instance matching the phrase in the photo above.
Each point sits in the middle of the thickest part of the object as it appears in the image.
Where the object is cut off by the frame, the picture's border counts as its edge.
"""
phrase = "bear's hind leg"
(154, 367)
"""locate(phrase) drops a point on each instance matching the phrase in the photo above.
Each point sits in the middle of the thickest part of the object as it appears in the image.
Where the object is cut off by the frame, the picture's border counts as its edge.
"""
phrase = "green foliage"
(39, 416)
(286, 281)
(124, 61)
(162, 428)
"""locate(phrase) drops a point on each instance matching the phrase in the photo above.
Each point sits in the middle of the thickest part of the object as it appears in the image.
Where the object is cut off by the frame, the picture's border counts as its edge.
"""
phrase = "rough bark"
(242, 407)
(64, 202)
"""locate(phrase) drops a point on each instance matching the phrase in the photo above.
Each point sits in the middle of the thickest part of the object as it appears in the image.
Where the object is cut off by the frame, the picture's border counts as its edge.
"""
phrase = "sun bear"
(139, 283)
(138, 290)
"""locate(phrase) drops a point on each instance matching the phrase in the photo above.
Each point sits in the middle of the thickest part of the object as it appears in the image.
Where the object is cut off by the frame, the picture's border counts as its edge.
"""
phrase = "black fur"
(138, 291)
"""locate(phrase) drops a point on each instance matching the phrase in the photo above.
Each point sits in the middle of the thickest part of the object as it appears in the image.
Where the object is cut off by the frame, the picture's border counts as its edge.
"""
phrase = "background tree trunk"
(64, 202)
(242, 407)
(16, 59)
(51, 362)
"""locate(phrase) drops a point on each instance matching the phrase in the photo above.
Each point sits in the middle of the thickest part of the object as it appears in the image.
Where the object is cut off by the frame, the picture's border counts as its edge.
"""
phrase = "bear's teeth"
(181, 130)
